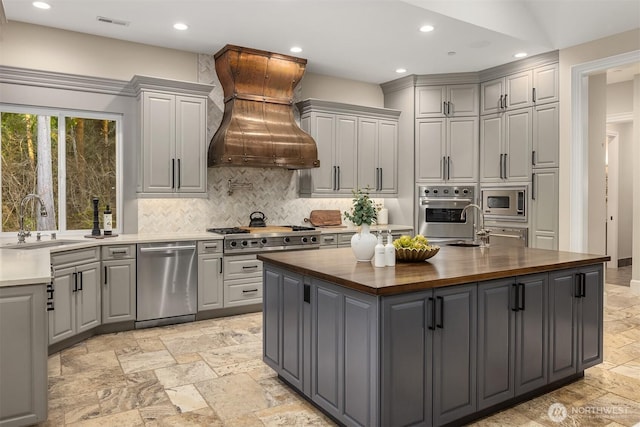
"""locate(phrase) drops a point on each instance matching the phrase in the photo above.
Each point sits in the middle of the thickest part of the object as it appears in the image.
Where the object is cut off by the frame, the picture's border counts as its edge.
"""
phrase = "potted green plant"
(363, 213)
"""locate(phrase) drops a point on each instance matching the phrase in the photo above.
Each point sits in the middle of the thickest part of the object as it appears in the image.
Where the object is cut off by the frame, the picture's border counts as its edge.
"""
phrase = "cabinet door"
(454, 353)
(346, 153)
(118, 290)
(209, 282)
(405, 383)
(491, 94)
(429, 101)
(23, 355)
(462, 155)
(292, 322)
(531, 353)
(562, 325)
(546, 84)
(387, 154)
(430, 150)
(271, 307)
(544, 209)
(546, 131)
(88, 305)
(191, 125)
(62, 317)
(367, 155)
(322, 129)
(496, 341)
(518, 136)
(491, 153)
(519, 90)
(158, 142)
(590, 315)
(463, 100)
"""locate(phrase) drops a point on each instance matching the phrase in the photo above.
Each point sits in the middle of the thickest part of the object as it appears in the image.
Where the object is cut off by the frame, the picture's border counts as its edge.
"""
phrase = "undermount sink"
(40, 245)
(464, 244)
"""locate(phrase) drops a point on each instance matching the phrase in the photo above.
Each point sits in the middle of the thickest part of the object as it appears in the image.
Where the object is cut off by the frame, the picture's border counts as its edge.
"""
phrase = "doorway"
(611, 198)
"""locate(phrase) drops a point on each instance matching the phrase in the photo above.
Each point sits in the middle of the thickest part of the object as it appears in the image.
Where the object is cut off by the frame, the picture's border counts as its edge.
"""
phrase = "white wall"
(635, 272)
(603, 48)
(341, 90)
(620, 98)
(597, 214)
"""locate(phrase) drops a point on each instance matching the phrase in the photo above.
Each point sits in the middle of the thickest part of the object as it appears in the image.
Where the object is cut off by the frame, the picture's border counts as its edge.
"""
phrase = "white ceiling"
(354, 39)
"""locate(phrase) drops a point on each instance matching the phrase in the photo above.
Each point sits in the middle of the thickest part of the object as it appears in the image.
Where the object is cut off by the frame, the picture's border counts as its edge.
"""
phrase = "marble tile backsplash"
(274, 193)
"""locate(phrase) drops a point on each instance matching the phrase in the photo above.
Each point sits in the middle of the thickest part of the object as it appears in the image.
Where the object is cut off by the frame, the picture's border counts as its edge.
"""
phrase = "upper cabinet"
(357, 147)
(447, 101)
(546, 84)
(173, 145)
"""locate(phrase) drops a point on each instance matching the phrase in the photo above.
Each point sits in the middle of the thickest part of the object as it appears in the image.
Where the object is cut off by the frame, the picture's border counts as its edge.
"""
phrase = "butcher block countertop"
(451, 266)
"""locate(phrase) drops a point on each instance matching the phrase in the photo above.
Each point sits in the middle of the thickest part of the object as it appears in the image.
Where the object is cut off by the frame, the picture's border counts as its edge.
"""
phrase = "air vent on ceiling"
(113, 21)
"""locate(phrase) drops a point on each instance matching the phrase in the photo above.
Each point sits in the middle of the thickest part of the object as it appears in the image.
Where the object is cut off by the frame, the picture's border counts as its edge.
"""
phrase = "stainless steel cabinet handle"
(168, 248)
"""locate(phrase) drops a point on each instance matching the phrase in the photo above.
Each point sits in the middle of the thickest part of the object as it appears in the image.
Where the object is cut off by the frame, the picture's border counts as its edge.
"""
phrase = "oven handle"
(426, 202)
(168, 248)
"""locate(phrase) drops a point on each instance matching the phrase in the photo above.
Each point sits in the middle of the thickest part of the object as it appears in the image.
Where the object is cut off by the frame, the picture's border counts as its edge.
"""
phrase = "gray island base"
(441, 342)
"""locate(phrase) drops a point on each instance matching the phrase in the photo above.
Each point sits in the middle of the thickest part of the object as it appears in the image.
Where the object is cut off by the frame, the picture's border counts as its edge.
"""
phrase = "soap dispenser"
(389, 251)
(378, 258)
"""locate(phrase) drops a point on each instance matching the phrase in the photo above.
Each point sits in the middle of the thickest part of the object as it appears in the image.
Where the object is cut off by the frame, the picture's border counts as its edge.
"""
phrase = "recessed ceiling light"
(426, 28)
(296, 49)
(401, 70)
(180, 26)
(520, 55)
(41, 5)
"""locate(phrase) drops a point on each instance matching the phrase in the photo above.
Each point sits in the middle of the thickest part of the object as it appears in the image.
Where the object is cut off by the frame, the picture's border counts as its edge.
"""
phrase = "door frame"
(612, 199)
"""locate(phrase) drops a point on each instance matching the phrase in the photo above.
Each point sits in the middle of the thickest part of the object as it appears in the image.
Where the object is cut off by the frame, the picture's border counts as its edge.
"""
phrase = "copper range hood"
(258, 128)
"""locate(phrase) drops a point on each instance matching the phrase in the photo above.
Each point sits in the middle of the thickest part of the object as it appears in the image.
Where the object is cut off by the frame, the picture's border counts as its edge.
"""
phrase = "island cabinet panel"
(575, 305)
(512, 337)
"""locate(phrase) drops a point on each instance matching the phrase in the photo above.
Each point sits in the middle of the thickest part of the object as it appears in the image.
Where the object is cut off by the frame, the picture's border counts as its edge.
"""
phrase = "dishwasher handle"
(168, 248)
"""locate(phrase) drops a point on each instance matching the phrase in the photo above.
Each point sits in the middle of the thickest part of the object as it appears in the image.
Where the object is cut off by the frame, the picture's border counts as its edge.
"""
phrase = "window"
(67, 158)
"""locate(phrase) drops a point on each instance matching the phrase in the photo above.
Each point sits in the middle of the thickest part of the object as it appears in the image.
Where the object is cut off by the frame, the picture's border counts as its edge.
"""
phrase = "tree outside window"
(66, 159)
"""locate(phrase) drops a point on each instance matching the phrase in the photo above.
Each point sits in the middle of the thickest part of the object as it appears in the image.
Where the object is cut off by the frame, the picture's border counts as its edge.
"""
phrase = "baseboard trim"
(635, 285)
(623, 262)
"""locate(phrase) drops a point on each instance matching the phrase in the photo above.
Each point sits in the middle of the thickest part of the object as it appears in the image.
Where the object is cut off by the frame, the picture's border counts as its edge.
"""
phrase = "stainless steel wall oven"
(439, 211)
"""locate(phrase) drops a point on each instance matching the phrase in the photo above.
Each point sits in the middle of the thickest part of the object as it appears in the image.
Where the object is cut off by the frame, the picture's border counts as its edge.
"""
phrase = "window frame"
(62, 114)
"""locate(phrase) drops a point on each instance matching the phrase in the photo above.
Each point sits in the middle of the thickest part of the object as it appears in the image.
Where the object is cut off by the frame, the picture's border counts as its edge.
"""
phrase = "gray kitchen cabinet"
(543, 209)
(118, 283)
(210, 278)
(434, 366)
(337, 130)
(447, 101)
(546, 134)
(575, 326)
(512, 337)
(77, 295)
(507, 93)
(242, 284)
(378, 155)
(546, 84)
(447, 150)
(23, 355)
(505, 146)
(173, 149)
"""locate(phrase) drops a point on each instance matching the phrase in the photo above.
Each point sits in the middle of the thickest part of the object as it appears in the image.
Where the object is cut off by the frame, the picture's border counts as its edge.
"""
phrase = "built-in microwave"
(504, 203)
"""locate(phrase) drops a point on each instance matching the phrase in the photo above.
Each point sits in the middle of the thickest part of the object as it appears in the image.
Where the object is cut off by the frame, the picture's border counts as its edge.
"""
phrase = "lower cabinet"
(576, 307)
(512, 337)
(429, 356)
(118, 283)
(23, 355)
(242, 280)
(210, 294)
(76, 301)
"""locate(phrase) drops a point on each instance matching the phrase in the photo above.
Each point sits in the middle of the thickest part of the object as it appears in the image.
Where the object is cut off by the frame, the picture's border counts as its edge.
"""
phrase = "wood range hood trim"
(258, 128)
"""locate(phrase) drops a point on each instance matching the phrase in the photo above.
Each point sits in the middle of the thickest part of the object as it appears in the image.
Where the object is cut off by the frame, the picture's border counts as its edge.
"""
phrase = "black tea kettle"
(257, 219)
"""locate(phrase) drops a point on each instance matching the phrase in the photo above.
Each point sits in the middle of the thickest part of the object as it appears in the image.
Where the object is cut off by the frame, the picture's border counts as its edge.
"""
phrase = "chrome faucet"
(22, 233)
(482, 233)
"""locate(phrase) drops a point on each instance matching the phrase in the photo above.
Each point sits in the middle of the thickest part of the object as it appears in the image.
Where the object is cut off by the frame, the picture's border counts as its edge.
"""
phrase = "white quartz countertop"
(33, 265)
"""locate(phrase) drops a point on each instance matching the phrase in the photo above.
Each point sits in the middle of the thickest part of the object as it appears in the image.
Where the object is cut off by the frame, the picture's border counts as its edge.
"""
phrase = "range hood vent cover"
(258, 128)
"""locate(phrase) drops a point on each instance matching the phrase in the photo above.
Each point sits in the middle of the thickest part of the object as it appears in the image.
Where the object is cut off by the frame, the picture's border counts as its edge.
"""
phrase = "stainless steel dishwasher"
(167, 283)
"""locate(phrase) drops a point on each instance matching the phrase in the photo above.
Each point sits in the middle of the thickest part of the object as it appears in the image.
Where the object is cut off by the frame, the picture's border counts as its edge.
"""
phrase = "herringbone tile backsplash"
(274, 190)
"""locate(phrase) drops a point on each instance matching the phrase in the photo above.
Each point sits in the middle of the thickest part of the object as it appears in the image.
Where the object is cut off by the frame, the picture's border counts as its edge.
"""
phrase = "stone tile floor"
(210, 373)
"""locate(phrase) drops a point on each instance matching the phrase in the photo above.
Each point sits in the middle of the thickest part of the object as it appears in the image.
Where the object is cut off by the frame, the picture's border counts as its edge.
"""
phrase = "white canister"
(383, 217)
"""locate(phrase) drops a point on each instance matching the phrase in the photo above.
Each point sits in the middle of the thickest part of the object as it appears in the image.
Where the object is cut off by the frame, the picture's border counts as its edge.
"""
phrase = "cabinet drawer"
(242, 292)
(329, 240)
(242, 266)
(76, 256)
(210, 247)
(344, 239)
(118, 252)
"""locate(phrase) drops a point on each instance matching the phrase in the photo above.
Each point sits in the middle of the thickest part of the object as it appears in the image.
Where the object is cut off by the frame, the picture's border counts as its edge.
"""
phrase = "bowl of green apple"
(414, 249)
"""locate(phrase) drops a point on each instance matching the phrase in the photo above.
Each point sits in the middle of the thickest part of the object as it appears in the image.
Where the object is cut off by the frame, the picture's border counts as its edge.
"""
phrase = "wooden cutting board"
(325, 218)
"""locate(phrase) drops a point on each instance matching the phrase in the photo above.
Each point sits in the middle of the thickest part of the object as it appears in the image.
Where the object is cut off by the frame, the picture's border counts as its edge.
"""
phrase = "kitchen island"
(459, 336)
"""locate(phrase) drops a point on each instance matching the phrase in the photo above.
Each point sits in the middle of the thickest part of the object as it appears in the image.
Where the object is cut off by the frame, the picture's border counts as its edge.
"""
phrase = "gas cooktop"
(239, 240)
(238, 230)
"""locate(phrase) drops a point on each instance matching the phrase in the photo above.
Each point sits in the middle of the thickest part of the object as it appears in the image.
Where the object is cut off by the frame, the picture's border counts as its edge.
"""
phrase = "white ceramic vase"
(363, 244)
